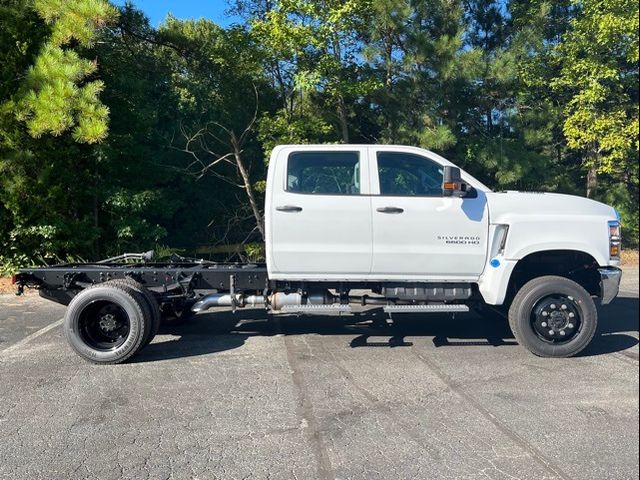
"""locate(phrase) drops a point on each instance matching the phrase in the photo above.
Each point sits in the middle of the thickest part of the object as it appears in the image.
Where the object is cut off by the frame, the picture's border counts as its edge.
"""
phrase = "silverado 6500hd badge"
(460, 239)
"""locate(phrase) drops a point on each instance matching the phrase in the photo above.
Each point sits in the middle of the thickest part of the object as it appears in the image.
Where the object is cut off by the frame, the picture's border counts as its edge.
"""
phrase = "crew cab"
(392, 227)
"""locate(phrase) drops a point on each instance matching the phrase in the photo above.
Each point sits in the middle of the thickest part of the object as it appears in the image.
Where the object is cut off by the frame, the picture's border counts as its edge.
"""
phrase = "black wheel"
(150, 301)
(106, 323)
(553, 317)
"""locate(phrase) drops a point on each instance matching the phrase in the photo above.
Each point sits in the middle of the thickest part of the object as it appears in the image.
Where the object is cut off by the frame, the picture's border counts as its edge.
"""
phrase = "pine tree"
(56, 94)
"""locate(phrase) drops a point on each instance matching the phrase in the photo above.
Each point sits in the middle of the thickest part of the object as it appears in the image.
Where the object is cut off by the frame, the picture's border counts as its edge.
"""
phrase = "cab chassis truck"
(401, 223)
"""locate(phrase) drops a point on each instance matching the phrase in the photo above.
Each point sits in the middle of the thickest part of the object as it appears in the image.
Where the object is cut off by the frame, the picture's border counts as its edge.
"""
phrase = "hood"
(551, 221)
(504, 205)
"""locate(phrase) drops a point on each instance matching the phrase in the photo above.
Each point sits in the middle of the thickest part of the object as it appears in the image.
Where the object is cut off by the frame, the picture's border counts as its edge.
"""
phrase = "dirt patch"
(629, 257)
(7, 287)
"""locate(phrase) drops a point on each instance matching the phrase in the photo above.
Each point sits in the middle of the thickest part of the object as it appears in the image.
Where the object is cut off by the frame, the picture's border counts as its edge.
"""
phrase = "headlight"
(615, 239)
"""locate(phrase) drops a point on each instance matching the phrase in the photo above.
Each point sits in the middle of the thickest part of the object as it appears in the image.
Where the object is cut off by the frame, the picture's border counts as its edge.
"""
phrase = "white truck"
(392, 227)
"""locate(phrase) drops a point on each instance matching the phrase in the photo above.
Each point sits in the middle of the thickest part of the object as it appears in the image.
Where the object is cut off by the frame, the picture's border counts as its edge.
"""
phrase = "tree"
(314, 51)
(44, 89)
(416, 49)
(598, 58)
(219, 89)
(54, 96)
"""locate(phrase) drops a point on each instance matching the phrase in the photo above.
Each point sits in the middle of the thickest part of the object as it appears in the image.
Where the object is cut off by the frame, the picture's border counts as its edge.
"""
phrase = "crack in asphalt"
(540, 458)
(308, 420)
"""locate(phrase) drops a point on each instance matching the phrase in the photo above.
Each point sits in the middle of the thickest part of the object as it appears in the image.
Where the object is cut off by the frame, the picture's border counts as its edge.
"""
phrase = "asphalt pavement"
(243, 396)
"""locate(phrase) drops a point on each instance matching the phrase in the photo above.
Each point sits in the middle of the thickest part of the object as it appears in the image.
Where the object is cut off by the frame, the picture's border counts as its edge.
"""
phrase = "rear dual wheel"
(110, 322)
(149, 300)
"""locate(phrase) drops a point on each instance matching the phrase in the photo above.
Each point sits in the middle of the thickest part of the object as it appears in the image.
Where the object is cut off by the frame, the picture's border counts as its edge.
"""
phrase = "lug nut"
(564, 307)
(562, 332)
(544, 314)
(570, 325)
(544, 324)
(553, 306)
(571, 314)
(550, 332)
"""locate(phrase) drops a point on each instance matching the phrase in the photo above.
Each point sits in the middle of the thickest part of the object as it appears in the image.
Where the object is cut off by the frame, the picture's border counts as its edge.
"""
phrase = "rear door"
(320, 214)
(417, 232)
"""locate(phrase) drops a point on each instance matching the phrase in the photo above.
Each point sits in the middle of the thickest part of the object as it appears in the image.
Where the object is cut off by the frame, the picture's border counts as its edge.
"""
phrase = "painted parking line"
(33, 336)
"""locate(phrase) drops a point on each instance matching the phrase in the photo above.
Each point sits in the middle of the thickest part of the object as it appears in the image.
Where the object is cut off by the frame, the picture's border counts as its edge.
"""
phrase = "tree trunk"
(96, 223)
(592, 160)
(246, 180)
(342, 115)
(592, 180)
(342, 108)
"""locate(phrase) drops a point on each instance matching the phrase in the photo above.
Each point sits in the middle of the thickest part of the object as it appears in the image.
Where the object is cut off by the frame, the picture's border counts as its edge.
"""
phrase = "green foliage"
(311, 47)
(132, 215)
(598, 60)
(255, 252)
(54, 97)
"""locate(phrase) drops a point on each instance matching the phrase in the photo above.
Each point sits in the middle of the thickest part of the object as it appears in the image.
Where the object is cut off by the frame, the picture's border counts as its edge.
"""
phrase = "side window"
(407, 174)
(328, 173)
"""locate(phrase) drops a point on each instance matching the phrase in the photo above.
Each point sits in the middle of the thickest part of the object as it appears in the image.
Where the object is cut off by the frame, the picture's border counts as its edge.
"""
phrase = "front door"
(417, 232)
(321, 215)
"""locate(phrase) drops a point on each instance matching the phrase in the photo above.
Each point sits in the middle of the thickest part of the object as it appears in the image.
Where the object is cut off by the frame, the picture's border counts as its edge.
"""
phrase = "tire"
(120, 337)
(553, 316)
(150, 300)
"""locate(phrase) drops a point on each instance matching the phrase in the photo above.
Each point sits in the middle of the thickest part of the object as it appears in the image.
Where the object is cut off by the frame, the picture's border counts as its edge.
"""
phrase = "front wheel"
(553, 317)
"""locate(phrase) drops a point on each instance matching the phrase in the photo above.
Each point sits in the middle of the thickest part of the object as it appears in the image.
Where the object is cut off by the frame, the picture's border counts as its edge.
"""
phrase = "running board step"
(426, 308)
(311, 309)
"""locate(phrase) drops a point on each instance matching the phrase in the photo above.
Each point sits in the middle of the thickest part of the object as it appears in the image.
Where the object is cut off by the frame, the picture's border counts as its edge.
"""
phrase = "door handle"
(289, 208)
(390, 210)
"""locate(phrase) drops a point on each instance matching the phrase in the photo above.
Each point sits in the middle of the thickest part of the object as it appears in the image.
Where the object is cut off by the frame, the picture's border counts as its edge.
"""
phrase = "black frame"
(167, 281)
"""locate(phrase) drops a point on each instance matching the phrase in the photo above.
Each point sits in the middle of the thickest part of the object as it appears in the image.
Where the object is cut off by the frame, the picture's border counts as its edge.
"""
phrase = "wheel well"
(578, 266)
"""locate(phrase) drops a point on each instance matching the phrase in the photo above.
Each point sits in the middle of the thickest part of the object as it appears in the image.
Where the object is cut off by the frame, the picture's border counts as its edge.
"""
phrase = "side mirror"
(452, 184)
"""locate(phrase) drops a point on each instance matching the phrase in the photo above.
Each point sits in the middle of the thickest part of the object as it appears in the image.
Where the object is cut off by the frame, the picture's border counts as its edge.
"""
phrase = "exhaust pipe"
(276, 300)
(226, 300)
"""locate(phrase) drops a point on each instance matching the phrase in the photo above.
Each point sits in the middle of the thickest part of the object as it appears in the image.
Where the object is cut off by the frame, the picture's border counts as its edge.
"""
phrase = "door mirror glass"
(452, 183)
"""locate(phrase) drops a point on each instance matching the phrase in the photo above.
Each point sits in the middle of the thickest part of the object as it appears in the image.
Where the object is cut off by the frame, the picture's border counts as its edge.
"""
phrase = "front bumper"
(609, 283)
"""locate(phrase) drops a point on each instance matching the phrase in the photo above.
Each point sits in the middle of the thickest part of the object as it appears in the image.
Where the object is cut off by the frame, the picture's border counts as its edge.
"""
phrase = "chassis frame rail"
(167, 281)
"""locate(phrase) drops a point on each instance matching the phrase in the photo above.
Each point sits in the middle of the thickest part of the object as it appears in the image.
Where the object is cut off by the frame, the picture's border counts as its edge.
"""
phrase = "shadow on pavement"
(223, 330)
(616, 320)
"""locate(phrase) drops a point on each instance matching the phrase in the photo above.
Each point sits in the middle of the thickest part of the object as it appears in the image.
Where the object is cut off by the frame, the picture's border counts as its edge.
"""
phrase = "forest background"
(116, 135)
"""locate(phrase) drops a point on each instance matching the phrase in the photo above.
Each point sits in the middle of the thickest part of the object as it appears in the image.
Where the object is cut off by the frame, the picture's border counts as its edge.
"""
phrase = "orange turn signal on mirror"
(451, 186)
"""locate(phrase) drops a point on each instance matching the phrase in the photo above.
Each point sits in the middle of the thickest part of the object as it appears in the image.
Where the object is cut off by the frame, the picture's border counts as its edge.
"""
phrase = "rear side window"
(324, 173)
(406, 174)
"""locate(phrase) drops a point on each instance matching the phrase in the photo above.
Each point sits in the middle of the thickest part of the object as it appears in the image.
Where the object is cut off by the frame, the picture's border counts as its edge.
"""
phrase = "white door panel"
(324, 233)
(418, 232)
(434, 237)
(329, 235)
